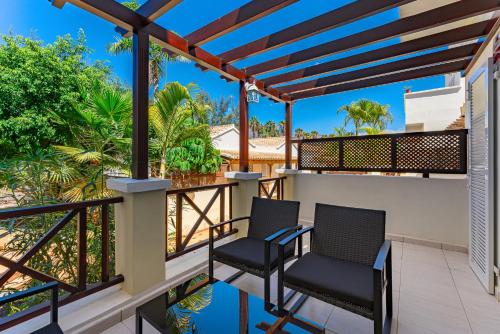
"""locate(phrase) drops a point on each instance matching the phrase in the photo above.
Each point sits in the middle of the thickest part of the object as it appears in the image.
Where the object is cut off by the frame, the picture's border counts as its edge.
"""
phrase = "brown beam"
(454, 36)
(288, 135)
(236, 19)
(439, 16)
(383, 80)
(127, 19)
(153, 9)
(479, 53)
(332, 19)
(457, 53)
(58, 3)
(244, 166)
(140, 135)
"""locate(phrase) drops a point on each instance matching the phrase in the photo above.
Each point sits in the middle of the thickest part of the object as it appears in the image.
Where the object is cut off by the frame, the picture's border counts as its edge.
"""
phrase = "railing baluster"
(82, 249)
(105, 243)
(222, 209)
(178, 222)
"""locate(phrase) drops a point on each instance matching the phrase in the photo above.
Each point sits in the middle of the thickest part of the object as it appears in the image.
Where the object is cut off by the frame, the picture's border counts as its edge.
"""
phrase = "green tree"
(39, 81)
(182, 142)
(366, 114)
(255, 126)
(299, 133)
(282, 125)
(102, 126)
(158, 58)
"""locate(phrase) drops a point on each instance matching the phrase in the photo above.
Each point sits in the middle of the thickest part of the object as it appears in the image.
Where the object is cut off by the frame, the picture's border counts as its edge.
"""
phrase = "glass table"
(204, 307)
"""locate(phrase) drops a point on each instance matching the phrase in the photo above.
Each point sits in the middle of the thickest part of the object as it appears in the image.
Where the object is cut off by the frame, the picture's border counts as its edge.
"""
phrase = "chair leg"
(378, 314)
(267, 287)
(388, 291)
(281, 273)
(210, 266)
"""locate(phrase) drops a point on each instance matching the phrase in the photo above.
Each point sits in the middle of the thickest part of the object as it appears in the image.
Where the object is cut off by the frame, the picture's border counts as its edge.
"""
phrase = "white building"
(435, 109)
(265, 154)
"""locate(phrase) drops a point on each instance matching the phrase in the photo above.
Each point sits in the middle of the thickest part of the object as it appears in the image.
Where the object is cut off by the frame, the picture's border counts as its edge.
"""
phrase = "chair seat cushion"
(249, 252)
(347, 281)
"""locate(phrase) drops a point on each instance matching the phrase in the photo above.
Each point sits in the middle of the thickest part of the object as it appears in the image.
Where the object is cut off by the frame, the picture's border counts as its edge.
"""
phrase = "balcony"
(434, 290)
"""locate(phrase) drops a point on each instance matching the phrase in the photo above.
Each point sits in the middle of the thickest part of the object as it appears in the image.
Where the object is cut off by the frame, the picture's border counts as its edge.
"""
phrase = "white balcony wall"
(424, 209)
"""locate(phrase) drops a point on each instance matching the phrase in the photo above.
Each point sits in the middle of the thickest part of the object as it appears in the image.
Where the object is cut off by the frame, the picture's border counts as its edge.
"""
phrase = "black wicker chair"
(349, 264)
(53, 327)
(257, 253)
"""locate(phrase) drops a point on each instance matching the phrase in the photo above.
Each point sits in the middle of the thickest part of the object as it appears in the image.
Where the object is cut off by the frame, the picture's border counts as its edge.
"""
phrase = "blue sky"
(38, 18)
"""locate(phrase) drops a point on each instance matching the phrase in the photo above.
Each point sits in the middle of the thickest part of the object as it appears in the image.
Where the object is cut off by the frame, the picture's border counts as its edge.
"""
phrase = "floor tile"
(345, 322)
(119, 328)
(457, 260)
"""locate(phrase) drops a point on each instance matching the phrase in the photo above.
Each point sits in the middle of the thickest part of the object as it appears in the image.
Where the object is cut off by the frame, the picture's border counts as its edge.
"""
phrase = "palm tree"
(172, 119)
(282, 125)
(103, 128)
(271, 129)
(314, 134)
(158, 58)
(366, 112)
(355, 114)
(379, 116)
(341, 131)
(299, 133)
(255, 126)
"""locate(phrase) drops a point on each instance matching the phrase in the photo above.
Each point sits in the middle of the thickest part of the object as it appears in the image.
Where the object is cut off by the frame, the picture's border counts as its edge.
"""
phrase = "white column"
(289, 184)
(140, 232)
(248, 187)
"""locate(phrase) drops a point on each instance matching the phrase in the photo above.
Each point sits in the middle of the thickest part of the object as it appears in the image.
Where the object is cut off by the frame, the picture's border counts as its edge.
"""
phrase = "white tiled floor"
(435, 292)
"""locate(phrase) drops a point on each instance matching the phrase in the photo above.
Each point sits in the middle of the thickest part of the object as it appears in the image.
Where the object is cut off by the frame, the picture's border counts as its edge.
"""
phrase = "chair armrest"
(281, 232)
(54, 300)
(294, 236)
(382, 256)
(227, 222)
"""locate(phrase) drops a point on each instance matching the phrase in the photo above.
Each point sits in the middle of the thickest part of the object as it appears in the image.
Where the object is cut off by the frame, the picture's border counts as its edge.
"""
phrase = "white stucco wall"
(426, 209)
(227, 141)
(435, 108)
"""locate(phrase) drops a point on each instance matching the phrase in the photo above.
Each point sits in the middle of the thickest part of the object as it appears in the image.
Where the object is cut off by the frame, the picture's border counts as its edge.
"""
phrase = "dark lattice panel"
(367, 153)
(320, 153)
(435, 152)
(424, 152)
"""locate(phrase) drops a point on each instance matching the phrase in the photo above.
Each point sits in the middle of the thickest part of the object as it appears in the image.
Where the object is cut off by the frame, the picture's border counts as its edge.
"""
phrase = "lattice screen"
(424, 152)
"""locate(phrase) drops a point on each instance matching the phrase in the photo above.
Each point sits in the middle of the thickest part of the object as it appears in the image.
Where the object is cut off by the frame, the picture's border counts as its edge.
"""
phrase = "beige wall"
(426, 209)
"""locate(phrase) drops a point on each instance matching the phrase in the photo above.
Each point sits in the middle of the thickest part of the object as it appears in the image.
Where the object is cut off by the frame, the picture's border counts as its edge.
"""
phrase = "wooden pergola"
(141, 26)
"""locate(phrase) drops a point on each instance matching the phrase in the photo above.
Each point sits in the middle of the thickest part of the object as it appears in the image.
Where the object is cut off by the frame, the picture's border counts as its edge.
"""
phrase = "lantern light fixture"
(253, 94)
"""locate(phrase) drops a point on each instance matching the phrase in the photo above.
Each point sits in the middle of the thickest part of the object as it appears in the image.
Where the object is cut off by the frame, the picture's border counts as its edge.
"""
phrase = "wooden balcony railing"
(181, 201)
(420, 152)
(72, 213)
(272, 188)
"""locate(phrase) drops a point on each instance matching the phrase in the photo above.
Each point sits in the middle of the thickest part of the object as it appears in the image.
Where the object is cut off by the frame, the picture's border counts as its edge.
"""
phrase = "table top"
(201, 306)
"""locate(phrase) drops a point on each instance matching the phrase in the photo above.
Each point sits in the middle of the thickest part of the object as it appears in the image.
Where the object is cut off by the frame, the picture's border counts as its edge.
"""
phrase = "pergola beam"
(454, 36)
(236, 19)
(456, 53)
(418, 73)
(153, 9)
(128, 19)
(332, 19)
(426, 20)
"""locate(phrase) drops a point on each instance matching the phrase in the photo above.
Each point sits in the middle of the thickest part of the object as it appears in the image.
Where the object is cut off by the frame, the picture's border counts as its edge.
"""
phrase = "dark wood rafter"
(453, 36)
(457, 53)
(153, 9)
(173, 43)
(416, 23)
(236, 19)
(332, 19)
(450, 67)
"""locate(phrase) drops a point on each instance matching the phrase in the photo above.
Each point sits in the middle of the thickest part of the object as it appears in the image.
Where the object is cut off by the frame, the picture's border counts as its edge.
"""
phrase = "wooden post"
(244, 165)
(140, 60)
(288, 136)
